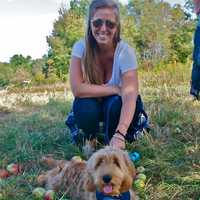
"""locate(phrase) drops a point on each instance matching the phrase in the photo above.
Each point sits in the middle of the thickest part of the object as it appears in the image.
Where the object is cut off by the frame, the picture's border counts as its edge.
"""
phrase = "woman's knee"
(87, 113)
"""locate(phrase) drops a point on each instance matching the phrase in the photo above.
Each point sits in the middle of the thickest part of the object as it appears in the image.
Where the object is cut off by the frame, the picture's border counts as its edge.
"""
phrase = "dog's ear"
(89, 183)
(128, 180)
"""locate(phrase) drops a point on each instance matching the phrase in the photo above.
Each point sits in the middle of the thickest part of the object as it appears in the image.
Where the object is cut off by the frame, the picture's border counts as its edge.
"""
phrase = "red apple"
(4, 173)
(49, 195)
(14, 168)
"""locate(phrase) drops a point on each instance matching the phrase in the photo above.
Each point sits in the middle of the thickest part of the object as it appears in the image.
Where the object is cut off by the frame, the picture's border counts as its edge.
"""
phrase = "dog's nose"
(107, 178)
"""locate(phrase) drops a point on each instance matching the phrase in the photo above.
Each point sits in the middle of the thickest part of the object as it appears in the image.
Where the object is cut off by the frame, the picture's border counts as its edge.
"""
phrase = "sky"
(24, 25)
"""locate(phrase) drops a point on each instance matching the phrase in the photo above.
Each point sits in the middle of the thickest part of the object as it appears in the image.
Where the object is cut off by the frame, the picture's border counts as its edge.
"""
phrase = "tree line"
(160, 33)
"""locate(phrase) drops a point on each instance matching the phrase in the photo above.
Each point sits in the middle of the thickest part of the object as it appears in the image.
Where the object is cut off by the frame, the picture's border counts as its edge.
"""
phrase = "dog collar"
(122, 196)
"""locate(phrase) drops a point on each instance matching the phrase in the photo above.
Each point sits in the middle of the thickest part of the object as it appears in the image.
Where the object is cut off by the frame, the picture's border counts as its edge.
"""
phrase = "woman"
(195, 83)
(103, 76)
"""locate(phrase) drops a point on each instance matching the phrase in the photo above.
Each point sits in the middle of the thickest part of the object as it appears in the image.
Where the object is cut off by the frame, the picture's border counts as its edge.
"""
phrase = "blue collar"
(122, 196)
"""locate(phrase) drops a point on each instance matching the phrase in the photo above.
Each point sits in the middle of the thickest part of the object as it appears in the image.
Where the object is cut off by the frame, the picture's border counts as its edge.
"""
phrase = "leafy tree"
(67, 29)
(19, 61)
(151, 19)
(181, 35)
(79, 7)
(6, 72)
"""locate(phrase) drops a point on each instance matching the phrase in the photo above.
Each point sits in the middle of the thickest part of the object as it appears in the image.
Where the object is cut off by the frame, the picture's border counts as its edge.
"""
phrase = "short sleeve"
(127, 59)
(78, 49)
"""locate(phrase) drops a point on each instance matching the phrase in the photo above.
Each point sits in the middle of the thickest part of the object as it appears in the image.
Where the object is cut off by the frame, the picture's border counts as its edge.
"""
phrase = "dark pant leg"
(111, 109)
(87, 113)
(195, 82)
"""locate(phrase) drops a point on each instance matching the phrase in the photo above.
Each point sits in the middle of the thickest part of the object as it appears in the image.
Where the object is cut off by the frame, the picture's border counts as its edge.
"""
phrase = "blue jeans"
(195, 82)
(88, 112)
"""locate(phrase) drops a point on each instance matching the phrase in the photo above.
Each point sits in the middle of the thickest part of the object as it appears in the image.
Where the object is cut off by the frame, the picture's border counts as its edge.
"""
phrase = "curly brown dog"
(108, 173)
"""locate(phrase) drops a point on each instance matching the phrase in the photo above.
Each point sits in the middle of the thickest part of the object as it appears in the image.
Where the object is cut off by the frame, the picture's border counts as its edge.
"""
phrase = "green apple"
(38, 193)
(141, 169)
(49, 195)
(141, 177)
(139, 184)
(77, 158)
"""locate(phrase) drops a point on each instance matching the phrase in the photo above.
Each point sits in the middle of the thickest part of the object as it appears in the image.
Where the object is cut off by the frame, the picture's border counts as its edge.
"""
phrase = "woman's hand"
(114, 89)
(118, 141)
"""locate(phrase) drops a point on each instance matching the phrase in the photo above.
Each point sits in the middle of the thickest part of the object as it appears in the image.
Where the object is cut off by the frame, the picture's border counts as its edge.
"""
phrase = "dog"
(107, 175)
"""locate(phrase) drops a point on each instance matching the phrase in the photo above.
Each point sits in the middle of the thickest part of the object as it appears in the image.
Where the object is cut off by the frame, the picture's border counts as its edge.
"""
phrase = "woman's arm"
(80, 88)
(129, 93)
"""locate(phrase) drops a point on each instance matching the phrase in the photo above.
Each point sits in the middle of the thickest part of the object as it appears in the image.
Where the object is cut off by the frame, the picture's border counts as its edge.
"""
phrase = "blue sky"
(26, 23)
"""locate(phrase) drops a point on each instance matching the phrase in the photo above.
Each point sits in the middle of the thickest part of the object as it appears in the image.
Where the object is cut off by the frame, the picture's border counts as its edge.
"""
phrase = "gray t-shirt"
(124, 60)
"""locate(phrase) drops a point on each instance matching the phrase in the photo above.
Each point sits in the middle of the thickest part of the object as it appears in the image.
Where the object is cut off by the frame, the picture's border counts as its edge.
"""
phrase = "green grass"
(170, 153)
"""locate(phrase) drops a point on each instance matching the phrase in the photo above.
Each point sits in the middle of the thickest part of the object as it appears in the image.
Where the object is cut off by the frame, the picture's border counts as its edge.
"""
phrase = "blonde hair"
(91, 45)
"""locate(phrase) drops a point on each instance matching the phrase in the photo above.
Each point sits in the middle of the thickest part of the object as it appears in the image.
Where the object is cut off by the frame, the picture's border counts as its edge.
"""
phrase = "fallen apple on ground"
(4, 173)
(141, 177)
(14, 168)
(139, 184)
(140, 169)
(49, 195)
(77, 158)
(38, 193)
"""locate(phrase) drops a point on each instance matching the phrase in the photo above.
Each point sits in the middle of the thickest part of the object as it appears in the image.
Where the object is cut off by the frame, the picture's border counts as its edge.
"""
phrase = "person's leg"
(195, 79)
(111, 109)
(87, 113)
(195, 82)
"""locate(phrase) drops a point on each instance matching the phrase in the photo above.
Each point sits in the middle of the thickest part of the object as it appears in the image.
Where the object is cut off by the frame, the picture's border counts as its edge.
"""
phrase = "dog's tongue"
(107, 189)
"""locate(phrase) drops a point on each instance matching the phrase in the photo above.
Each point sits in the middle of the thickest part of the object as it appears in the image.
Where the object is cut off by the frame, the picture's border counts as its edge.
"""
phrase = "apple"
(1, 196)
(141, 176)
(76, 158)
(139, 184)
(4, 173)
(49, 195)
(38, 193)
(140, 169)
(14, 168)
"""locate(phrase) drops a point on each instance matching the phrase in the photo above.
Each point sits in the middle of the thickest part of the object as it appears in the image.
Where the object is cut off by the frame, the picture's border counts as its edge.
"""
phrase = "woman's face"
(104, 26)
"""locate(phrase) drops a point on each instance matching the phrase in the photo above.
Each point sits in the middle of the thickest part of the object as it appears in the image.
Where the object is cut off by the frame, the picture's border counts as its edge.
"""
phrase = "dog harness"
(122, 196)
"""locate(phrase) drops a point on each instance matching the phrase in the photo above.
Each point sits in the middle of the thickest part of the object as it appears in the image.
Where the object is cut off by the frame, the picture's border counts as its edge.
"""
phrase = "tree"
(66, 30)
(181, 35)
(19, 61)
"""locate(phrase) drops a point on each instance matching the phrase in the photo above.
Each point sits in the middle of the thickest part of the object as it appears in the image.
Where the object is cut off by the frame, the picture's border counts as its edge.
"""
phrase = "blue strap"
(122, 196)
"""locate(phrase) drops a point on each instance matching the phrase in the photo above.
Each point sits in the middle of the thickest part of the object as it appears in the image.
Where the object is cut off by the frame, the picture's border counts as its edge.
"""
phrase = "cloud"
(29, 7)
(25, 35)
(10, 1)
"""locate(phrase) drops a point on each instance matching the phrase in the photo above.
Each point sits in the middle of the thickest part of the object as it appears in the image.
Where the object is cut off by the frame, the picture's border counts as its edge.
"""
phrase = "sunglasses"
(97, 23)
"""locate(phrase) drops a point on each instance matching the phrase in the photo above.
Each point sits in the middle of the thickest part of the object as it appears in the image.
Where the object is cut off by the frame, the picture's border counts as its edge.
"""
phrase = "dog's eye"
(98, 163)
(116, 162)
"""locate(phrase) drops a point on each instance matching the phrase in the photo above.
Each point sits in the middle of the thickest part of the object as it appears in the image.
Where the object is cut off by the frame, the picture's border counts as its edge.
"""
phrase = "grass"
(170, 153)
